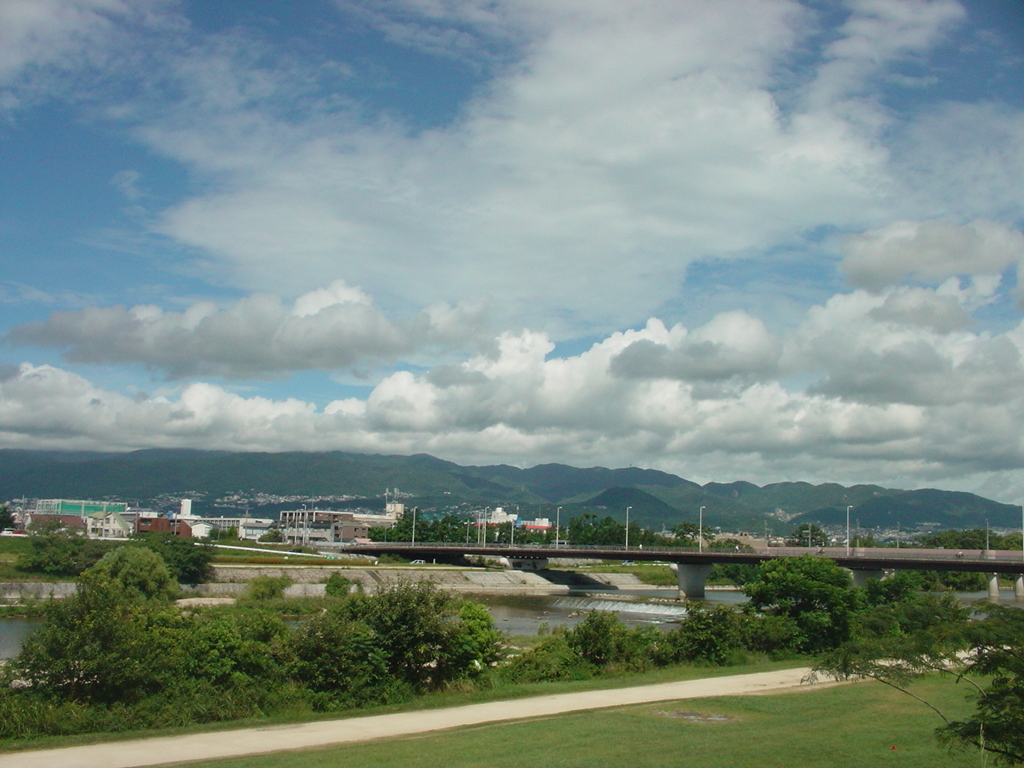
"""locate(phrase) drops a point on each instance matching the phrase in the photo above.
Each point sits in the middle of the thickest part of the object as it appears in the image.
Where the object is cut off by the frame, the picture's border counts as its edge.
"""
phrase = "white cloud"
(45, 43)
(328, 329)
(900, 387)
(733, 347)
(877, 34)
(930, 251)
(564, 168)
(610, 147)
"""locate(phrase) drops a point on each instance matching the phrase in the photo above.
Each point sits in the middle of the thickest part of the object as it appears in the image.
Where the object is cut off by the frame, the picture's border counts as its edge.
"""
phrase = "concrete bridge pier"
(861, 576)
(1018, 588)
(692, 577)
(993, 586)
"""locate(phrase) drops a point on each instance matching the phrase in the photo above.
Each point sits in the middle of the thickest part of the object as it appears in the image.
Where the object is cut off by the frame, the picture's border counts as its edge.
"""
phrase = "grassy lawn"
(11, 548)
(854, 726)
(450, 698)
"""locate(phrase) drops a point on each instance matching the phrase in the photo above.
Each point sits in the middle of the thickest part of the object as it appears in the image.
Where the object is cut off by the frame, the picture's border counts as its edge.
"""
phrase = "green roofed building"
(79, 507)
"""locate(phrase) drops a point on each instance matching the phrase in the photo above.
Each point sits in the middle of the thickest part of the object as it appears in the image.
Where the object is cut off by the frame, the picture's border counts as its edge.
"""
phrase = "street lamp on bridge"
(700, 530)
(848, 508)
(627, 526)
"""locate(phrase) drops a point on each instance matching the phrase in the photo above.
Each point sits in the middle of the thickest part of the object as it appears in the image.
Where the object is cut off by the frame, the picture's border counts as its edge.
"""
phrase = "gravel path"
(250, 741)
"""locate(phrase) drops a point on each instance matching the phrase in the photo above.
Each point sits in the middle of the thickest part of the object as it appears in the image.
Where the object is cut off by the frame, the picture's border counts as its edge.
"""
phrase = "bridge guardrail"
(982, 557)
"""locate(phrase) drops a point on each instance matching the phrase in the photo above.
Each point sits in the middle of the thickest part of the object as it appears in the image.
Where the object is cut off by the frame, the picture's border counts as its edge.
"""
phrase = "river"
(519, 615)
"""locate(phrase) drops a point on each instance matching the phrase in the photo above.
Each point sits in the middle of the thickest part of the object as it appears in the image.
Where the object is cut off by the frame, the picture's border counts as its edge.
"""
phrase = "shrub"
(605, 642)
(553, 659)
(138, 570)
(337, 585)
(264, 588)
(344, 662)
(709, 636)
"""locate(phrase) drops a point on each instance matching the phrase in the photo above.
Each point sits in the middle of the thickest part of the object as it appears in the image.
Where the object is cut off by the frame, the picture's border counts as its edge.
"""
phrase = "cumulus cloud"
(328, 329)
(732, 347)
(915, 306)
(930, 251)
(521, 401)
(910, 346)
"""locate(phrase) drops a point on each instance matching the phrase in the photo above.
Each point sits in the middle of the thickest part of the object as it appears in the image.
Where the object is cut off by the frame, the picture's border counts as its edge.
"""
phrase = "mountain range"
(271, 481)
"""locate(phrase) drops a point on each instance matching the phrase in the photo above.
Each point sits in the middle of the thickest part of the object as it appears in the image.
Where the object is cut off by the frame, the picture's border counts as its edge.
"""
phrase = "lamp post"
(700, 530)
(414, 526)
(558, 525)
(848, 529)
(627, 526)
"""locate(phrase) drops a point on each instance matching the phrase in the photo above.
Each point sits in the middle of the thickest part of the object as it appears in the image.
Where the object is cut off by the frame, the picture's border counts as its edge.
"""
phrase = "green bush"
(264, 588)
(553, 659)
(604, 641)
(707, 636)
(337, 585)
(139, 571)
(425, 648)
(344, 662)
(102, 645)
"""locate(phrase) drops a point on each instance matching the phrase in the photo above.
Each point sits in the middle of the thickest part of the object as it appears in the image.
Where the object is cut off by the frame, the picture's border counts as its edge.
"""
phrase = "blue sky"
(732, 240)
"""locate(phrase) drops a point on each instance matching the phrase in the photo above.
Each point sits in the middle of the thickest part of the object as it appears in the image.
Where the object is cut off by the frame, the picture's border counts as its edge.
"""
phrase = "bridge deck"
(989, 561)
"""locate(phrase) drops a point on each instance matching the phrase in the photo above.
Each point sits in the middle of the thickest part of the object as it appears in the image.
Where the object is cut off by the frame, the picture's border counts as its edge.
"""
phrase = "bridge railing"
(981, 557)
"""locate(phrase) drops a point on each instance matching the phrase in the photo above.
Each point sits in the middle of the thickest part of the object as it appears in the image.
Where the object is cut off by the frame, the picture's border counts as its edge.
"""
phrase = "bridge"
(693, 564)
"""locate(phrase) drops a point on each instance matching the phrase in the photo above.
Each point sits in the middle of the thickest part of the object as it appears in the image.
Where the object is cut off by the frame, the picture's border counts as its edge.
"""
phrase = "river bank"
(309, 581)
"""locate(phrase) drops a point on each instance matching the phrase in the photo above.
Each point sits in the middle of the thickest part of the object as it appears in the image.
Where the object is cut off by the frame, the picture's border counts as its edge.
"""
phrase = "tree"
(343, 661)
(419, 632)
(57, 551)
(138, 570)
(814, 592)
(189, 561)
(930, 634)
(6, 518)
(101, 645)
(807, 535)
(997, 652)
(687, 533)
(709, 635)
(589, 529)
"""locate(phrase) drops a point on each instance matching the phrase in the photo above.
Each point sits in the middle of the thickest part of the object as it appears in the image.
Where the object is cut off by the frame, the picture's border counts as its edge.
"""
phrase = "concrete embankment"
(20, 591)
(309, 581)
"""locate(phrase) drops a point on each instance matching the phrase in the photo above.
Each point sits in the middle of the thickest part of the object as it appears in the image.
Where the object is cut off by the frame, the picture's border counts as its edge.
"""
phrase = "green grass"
(450, 698)
(853, 726)
(655, 575)
(11, 548)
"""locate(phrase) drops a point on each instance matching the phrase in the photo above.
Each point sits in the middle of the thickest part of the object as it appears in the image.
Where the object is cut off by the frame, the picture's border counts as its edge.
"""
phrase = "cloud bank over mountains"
(733, 240)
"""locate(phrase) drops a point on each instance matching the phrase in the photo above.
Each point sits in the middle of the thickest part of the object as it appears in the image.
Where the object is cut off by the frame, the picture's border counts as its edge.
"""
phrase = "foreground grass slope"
(854, 726)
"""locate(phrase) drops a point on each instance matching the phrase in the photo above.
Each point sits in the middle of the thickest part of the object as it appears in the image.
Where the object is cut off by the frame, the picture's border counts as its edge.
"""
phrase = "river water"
(528, 615)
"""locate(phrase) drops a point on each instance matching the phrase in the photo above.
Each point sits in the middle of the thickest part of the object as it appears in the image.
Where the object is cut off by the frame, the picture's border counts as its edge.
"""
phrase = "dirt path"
(250, 741)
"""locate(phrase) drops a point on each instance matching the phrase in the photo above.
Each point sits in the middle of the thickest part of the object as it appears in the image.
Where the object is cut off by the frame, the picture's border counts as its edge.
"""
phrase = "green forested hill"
(657, 498)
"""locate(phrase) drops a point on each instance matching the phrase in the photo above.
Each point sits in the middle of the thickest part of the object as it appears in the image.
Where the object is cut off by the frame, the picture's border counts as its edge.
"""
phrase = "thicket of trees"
(120, 655)
(55, 551)
(585, 529)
